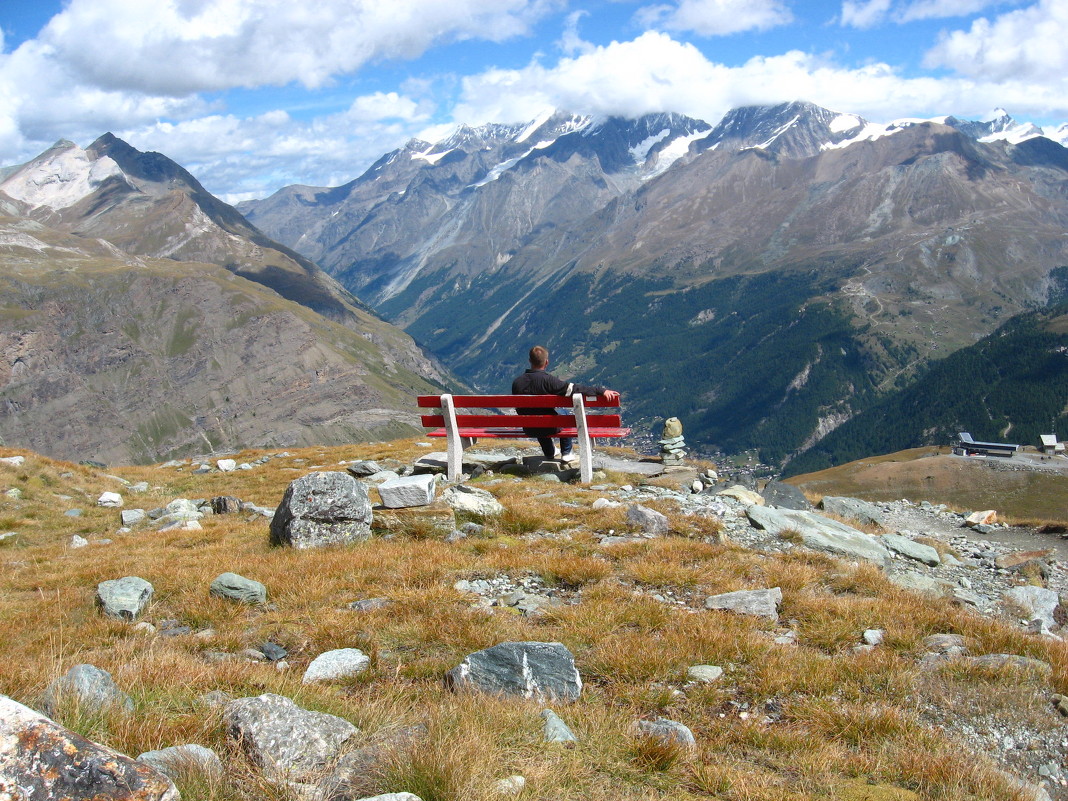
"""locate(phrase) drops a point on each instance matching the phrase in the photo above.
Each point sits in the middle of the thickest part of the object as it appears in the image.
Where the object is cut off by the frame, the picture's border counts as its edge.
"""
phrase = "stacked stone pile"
(672, 445)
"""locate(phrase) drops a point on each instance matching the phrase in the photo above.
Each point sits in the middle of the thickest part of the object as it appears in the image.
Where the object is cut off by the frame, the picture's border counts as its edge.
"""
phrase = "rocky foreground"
(855, 628)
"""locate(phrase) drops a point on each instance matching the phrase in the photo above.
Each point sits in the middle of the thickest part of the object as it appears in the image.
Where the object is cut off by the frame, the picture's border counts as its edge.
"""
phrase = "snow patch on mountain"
(674, 151)
(844, 122)
(499, 170)
(778, 132)
(432, 158)
(536, 123)
(640, 152)
(61, 178)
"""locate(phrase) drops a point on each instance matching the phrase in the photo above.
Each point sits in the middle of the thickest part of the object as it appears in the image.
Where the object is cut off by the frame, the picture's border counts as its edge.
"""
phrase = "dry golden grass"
(785, 722)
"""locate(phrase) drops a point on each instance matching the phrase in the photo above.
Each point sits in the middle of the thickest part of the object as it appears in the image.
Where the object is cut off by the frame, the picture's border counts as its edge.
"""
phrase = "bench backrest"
(505, 407)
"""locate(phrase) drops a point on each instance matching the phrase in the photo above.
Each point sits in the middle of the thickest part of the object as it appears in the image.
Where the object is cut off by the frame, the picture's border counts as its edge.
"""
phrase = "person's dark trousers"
(547, 449)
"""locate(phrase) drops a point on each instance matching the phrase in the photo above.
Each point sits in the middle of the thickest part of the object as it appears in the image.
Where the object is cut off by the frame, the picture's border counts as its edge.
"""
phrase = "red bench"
(498, 419)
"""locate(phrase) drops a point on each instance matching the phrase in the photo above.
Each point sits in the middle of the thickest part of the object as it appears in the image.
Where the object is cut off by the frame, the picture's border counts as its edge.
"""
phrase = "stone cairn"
(672, 445)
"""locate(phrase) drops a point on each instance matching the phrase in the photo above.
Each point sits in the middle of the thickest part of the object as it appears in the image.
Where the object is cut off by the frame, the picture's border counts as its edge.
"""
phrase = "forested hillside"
(1010, 386)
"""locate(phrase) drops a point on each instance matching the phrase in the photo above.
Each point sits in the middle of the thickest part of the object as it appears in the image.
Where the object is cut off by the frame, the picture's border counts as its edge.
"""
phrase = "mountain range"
(143, 318)
(766, 278)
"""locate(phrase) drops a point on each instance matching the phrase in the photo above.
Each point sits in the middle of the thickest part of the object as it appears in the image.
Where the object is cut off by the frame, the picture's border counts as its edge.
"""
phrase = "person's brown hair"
(539, 357)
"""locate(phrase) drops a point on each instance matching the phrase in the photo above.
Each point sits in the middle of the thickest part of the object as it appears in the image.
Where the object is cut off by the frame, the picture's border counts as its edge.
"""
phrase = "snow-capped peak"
(59, 177)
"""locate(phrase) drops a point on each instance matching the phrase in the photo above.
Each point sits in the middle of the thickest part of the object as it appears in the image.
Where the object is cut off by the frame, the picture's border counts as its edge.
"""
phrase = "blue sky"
(252, 95)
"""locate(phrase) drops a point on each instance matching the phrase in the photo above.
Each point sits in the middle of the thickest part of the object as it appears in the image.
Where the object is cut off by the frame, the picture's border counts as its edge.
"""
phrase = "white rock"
(513, 785)
(13, 461)
(111, 500)
(705, 673)
(407, 491)
(77, 541)
(336, 665)
(226, 465)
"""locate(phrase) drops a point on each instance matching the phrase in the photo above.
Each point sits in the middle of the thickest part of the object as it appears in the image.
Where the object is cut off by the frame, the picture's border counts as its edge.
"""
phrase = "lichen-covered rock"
(41, 761)
(648, 521)
(288, 742)
(542, 670)
(820, 533)
(472, 500)
(327, 508)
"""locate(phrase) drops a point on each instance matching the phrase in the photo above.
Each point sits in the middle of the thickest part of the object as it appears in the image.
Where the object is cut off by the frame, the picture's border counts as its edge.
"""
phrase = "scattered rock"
(13, 461)
(131, 517)
(874, 636)
(238, 588)
(123, 598)
(820, 533)
(512, 785)
(322, 509)
(226, 465)
(370, 604)
(985, 518)
(1036, 603)
(87, 686)
(999, 661)
(667, 731)
(785, 496)
(225, 505)
(706, 674)
(181, 759)
(77, 541)
(648, 521)
(741, 494)
(336, 664)
(853, 509)
(288, 742)
(40, 759)
(472, 500)
(542, 670)
(400, 493)
(555, 730)
(912, 550)
(762, 603)
(363, 468)
(111, 500)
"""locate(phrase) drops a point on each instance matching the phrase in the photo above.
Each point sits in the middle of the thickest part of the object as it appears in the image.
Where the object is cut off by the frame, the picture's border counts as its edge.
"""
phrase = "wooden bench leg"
(586, 450)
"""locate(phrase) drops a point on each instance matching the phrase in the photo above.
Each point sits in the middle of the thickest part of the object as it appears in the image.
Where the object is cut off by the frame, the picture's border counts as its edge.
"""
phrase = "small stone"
(762, 603)
(408, 491)
(77, 541)
(337, 664)
(178, 760)
(555, 730)
(874, 636)
(226, 465)
(124, 598)
(513, 785)
(705, 674)
(87, 686)
(131, 517)
(648, 521)
(109, 499)
(984, 518)
(667, 731)
(273, 652)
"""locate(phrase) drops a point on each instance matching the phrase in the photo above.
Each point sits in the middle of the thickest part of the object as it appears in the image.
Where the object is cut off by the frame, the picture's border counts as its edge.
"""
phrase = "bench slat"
(517, 433)
(522, 420)
(511, 402)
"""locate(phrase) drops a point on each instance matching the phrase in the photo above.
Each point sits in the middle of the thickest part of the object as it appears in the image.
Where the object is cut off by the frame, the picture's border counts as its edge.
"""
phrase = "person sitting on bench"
(536, 381)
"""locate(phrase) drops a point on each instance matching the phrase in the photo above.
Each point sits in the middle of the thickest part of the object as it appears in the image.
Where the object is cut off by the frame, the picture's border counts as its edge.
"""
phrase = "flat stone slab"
(1036, 602)
(854, 509)
(762, 603)
(820, 533)
(238, 588)
(912, 550)
(603, 462)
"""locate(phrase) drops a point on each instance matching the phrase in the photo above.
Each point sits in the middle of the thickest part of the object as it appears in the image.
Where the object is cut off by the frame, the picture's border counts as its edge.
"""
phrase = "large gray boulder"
(90, 688)
(123, 598)
(542, 670)
(820, 533)
(1038, 603)
(785, 496)
(40, 760)
(853, 509)
(761, 603)
(288, 742)
(328, 508)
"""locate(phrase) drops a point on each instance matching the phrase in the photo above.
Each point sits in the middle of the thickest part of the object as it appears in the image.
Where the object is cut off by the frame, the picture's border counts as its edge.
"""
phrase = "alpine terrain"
(765, 279)
(143, 318)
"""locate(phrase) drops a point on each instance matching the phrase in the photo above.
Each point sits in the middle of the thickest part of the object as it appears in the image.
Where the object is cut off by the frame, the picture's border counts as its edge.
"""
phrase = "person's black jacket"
(539, 382)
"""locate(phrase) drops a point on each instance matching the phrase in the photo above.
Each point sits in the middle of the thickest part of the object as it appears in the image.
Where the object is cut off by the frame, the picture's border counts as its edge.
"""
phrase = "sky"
(254, 95)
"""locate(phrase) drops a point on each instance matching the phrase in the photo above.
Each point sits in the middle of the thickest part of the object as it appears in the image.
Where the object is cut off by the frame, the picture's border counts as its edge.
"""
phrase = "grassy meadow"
(808, 720)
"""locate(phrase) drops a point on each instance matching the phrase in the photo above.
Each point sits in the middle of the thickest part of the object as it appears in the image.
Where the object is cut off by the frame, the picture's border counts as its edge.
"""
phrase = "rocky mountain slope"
(787, 266)
(141, 317)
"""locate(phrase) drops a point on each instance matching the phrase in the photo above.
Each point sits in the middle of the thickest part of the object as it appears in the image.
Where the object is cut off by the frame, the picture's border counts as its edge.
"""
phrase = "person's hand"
(610, 395)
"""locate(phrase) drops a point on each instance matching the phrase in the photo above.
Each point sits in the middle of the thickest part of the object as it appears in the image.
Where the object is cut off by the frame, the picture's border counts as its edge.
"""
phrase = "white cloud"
(864, 13)
(1028, 43)
(178, 47)
(715, 17)
(869, 13)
